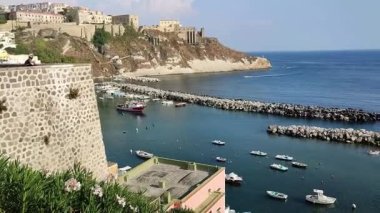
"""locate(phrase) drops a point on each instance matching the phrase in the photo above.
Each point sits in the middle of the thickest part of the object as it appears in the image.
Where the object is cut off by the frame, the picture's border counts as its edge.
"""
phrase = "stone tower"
(44, 124)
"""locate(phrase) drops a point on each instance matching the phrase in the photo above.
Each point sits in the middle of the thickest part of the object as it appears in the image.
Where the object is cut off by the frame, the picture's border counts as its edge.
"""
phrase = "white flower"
(134, 209)
(72, 185)
(120, 201)
(97, 191)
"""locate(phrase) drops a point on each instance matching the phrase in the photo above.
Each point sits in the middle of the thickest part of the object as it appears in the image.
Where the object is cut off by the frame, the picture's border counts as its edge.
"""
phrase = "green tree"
(101, 37)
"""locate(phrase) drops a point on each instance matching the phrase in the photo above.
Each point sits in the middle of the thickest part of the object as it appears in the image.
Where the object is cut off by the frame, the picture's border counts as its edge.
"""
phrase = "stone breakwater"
(360, 136)
(140, 79)
(288, 110)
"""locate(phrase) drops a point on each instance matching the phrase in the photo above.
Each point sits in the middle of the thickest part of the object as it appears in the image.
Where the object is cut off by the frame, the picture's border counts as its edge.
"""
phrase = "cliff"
(139, 54)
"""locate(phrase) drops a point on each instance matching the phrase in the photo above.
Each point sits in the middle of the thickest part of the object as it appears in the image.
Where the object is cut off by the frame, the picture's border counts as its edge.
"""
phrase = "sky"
(260, 25)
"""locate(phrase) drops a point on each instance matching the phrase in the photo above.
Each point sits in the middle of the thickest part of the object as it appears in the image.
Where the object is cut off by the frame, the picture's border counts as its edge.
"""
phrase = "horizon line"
(326, 50)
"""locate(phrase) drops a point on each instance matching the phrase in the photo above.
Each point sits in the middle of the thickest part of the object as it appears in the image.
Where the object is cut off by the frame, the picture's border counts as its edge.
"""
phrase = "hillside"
(136, 54)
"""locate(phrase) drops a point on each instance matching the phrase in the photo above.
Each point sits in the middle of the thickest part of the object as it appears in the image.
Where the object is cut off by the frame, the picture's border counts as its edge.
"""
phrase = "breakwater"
(288, 110)
(360, 136)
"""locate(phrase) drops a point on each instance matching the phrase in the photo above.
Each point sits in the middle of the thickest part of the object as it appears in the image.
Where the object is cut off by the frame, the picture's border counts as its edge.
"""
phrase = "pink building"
(179, 184)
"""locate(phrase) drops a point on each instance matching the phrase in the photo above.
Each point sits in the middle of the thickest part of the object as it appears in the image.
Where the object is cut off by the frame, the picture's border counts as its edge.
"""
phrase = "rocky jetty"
(360, 136)
(138, 79)
(288, 110)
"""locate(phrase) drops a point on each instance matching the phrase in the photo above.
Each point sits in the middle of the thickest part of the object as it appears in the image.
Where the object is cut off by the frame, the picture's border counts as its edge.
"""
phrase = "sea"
(330, 78)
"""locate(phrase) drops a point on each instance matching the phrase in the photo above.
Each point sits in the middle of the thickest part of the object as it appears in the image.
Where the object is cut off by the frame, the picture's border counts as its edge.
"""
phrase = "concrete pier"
(287, 110)
(360, 136)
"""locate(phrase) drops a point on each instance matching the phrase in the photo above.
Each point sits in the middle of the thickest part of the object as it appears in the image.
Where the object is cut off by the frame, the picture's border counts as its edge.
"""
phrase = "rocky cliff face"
(173, 56)
(137, 55)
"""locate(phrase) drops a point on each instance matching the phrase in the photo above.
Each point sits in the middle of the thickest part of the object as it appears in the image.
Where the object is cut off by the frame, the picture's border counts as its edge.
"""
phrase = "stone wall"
(42, 126)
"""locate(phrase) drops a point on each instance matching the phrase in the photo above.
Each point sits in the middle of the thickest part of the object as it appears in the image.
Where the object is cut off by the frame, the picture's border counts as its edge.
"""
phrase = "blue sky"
(265, 25)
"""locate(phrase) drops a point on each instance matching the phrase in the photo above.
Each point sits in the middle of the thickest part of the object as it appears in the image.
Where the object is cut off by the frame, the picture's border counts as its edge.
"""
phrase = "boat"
(320, 198)
(220, 159)
(167, 102)
(277, 195)
(218, 142)
(279, 167)
(374, 152)
(284, 157)
(125, 168)
(143, 154)
(299, 164)
(131, 107)
(156, 99)
(180, 104)
(259, 153)
(233, 178)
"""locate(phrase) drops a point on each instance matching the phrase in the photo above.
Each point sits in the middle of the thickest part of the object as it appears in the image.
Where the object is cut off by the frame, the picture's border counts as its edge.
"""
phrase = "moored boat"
(277, 195)
(233, 178)
(143, 154)
(320, 198)
(279, 167)
(258, 153)
(284, 157)
(131, 107)
(374, 152)
(220, 159)
(218, 142)
(180, 104)
(167, 102)
(299, 164)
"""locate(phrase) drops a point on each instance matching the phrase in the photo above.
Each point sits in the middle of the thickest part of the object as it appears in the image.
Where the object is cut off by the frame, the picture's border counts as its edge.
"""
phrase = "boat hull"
(277, 195)
(314, 200)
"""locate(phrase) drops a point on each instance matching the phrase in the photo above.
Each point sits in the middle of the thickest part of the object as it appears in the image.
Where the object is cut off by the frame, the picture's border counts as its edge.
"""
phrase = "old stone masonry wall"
(44, 124)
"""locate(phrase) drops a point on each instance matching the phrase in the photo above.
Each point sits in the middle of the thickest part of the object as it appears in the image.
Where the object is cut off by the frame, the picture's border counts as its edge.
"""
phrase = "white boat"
(279, 167)
(125, 168)
(218, 142)
(180, 104)
(277, 195)
(284, 157)
(156, 99)
(374, 152)
(233, 178)
(143, 154)
(299, 164)
(258, 153)
(220, 159)
(167, 103)
(320, 198)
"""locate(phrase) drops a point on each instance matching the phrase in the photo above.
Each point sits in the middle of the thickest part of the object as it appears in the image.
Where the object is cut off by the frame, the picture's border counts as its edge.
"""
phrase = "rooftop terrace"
(159, 177)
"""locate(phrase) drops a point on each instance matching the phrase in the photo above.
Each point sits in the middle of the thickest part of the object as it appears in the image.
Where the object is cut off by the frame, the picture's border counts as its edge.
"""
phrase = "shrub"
(2, 106)
(73, 93)
(25, 190)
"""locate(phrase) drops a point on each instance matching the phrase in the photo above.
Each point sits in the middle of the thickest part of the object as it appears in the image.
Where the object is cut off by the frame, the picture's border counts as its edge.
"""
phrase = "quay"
(360, 136)
(282, 109)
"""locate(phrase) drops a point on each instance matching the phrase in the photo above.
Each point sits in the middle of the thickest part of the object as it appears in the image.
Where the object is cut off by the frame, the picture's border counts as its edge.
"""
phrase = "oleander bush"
(23, 189)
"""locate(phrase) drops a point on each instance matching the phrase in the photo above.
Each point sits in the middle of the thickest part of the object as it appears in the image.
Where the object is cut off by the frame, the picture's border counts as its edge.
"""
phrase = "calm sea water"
(347, 172)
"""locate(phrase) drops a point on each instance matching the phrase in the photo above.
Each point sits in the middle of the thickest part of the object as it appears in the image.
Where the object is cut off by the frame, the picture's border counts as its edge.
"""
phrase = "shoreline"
(202, 66)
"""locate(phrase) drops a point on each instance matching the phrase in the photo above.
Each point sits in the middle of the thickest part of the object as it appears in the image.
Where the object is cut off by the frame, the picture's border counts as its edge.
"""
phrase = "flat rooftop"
(159, 175)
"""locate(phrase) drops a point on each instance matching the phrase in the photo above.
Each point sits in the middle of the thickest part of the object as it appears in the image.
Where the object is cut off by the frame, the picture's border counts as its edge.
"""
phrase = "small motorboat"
(258, 153)
(156, 99)
(220, 159)
(125, 168)
(131, 107)
(320, 198)
(374, 152)
(180, 104)
(299, 165)
(143, 154)
(284, 157)
(167, 103)
(279, 167)
(277, 195)
(218, 142)
(233, 178)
